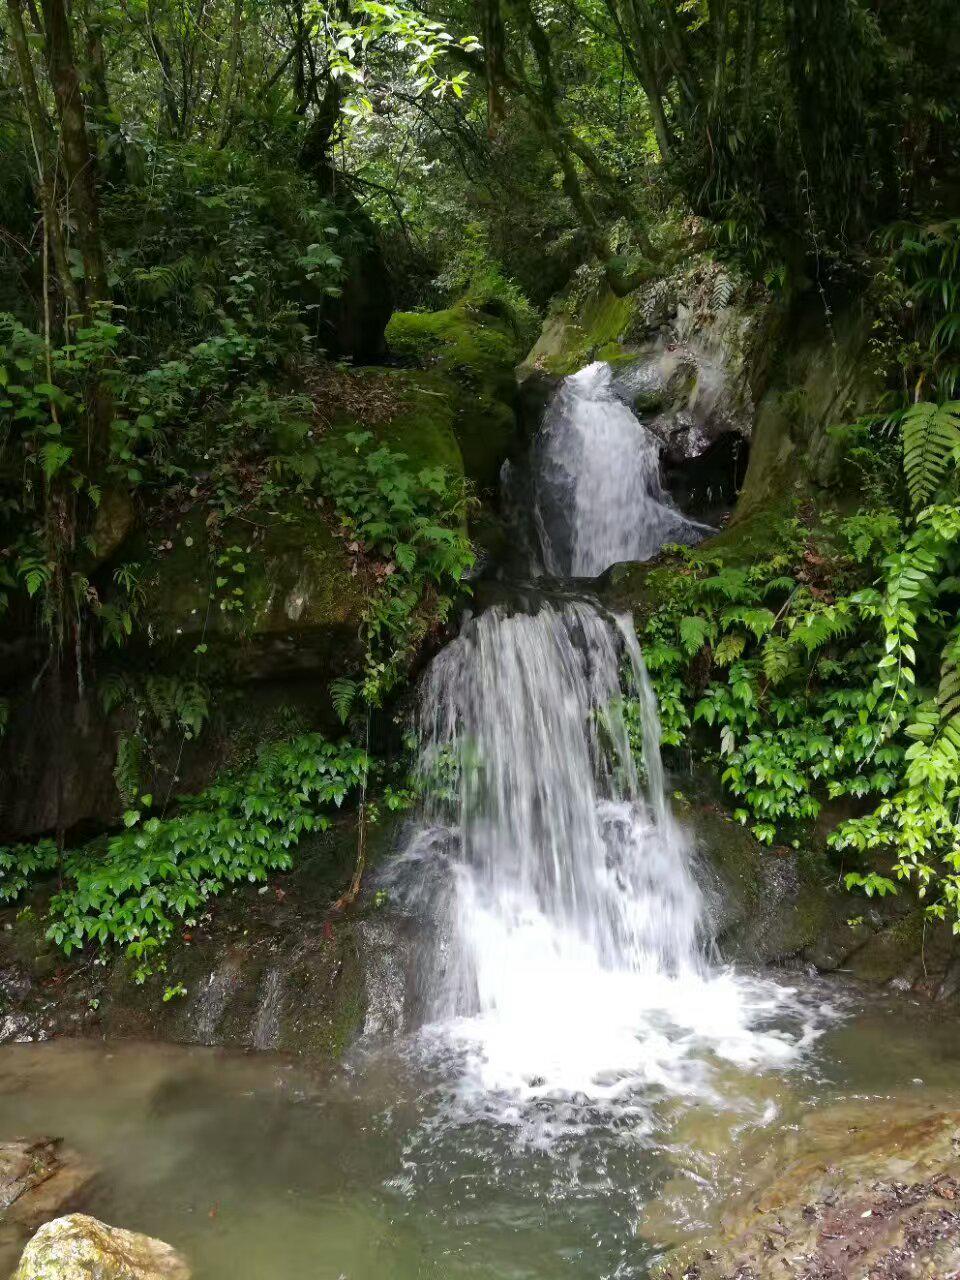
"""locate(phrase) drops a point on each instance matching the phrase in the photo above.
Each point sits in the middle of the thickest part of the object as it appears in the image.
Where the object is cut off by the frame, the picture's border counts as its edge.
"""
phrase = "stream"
(581, 1081)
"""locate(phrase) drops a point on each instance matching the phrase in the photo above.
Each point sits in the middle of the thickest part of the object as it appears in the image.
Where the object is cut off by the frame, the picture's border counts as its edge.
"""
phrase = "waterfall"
(598, 498)
(568, 944)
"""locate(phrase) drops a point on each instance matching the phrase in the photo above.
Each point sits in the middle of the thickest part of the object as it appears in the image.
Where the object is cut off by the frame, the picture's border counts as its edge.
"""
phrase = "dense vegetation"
(201, 201)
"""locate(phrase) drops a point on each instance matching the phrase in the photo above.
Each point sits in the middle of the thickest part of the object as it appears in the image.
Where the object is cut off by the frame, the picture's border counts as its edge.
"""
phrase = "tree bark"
(45, 188)
(233, 65)
(79, 161)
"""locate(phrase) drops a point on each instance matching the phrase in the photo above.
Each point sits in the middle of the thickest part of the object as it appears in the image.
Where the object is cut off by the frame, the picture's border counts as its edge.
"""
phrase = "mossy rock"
(415, 415)
(575, 336)
(473, 354)
(822, 376)
(769, 905)
(78, 1247)
(462, 340)
(268, 597)
(269, 967)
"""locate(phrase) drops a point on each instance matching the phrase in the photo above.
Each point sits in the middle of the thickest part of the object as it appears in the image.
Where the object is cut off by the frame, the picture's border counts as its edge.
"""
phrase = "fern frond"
(948, 694)
(693, 633)
(931, 437)
(721, 291)
(730, 648)
(343, 691)
(776, 658)
(113, 691)
(812, 631)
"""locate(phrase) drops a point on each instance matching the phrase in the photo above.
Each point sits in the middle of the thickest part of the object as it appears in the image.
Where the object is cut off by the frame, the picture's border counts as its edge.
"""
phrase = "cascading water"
(570, 943)
(598, 497)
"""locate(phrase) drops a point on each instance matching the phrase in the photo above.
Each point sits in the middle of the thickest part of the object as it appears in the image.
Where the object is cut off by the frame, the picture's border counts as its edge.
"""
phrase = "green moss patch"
(473, 354)
(575, 335)
(421, 424)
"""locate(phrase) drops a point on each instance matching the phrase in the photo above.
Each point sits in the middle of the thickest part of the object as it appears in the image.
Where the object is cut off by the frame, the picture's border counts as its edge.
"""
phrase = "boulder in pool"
(78, 1247)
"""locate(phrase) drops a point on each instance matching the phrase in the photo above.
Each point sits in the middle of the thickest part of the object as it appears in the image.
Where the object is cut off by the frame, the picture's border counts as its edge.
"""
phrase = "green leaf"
(693, 633)
(54, 457)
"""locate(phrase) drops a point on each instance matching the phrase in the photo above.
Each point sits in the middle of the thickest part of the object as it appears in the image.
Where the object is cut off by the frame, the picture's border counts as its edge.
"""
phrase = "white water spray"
(571, 948)
(598, 497)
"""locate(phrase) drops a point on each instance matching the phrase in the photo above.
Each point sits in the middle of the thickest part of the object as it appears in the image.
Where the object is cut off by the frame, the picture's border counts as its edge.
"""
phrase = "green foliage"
(223, 244)
(828, 667)
(919, 324)
(410, 524)
(154, 706)
(931, 441)
(135, 890)
(343, 692)
(474, 277)
(20, 864)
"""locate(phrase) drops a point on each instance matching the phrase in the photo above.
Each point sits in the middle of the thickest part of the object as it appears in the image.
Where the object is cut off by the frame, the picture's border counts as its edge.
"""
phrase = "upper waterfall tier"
(596, 480)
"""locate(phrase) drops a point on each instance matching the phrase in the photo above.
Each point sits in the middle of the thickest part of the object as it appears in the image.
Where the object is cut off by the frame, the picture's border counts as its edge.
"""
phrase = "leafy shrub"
(135, 890)
(828, 667)
(411, 522)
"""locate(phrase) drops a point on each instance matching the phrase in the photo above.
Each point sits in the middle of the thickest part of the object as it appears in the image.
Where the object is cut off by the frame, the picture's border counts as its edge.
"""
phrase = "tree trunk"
(78, 158)
(233, 64)
(45, 188)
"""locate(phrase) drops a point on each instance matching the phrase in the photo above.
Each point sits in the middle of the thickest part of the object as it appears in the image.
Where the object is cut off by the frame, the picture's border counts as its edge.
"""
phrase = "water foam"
(598, 499)
(569, 954)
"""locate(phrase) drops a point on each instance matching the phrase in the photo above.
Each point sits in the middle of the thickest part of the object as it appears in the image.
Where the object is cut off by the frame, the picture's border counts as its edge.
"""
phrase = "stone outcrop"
(79, 1247)
(872, 1191)
(787, 906)
(475, 351)
(267, 967)
(39, 1178)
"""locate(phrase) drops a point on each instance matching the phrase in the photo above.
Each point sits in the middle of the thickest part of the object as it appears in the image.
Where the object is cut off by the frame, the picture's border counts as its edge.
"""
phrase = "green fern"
(693, 633)
(776, 659)
(948, 694)
(730, 648)
(343, 692)
(931, 439)
(127, 768)
(815, 629)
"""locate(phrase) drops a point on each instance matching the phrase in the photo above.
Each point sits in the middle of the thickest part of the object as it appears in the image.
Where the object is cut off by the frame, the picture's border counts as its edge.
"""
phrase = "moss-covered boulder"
(274, 594)
(410, 410)
(79, 1247)
(581, 329)
(475, 352)
(786, 905)
(819, 375)
(767, 905)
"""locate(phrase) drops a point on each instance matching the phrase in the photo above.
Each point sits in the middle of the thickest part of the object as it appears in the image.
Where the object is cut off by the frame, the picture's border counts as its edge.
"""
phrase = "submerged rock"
(873, 1190)
(39, 1177)
(78, 1247)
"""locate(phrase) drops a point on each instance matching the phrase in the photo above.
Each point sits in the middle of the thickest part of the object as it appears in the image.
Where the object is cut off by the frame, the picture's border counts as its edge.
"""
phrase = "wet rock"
(474, 352)
(768, 905)
(872, 1190)
(266, 967)
(787, 906)
(39, 1178)
(115, 518)
(78, 1247)
(300, 604)
(824, 376)
(685, 348)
